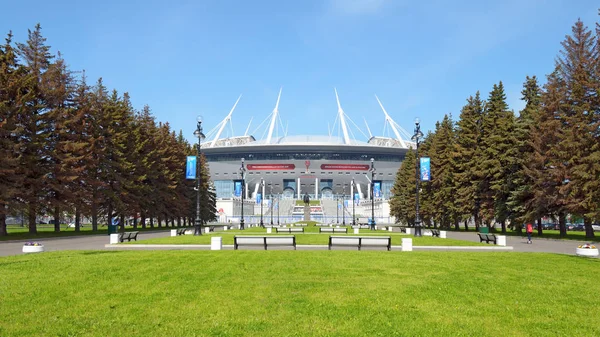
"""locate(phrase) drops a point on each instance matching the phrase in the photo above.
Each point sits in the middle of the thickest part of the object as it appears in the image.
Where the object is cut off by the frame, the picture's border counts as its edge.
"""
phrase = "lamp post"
(372, 193)
(262, 183)
(344, 206)
(337, 208)
(198, 133)
(243, 173)
(418, 134)
(353, 203)
(278, 197)
(271, 194)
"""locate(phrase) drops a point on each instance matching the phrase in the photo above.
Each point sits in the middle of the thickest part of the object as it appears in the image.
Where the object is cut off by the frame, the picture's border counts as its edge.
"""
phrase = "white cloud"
(357, 7)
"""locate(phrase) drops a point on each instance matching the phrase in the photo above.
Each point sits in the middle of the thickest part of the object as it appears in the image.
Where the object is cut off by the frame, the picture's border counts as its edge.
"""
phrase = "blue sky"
(189, 58)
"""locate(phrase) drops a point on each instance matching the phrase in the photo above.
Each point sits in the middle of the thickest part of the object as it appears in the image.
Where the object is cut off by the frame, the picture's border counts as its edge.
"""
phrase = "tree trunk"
(151, 221)
(173, 222)
(456, 225)
(562, 223)
(143, 219)
(135, 221)
(476, 219)
(94, 217)
(539, 227)
(3, 231)
(110, 215)
(122, 222)
(56, 219)
(158, 220)
(178, 222)
(503, 223)
(77, 219)
(589, 231)
(466, 225)
(32, 219)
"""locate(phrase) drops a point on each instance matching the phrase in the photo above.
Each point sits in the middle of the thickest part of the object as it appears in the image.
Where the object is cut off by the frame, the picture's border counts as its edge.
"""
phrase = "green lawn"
(290, 293)
(312, 202)
(47, 231)
(311, 237)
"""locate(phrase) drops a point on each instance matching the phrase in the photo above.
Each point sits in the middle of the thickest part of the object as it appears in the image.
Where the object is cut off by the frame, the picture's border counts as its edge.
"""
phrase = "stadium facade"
(324, 167)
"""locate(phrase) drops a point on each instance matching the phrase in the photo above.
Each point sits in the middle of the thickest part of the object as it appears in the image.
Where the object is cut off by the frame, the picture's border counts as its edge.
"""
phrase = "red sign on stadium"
(273, 167)
(348, 167)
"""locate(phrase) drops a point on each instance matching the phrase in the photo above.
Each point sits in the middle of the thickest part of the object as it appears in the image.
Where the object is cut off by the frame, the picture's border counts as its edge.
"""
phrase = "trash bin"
(112, 229)
(484, 230)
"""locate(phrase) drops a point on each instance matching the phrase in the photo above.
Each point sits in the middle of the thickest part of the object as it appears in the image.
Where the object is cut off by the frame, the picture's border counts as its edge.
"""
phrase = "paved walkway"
(100, 242)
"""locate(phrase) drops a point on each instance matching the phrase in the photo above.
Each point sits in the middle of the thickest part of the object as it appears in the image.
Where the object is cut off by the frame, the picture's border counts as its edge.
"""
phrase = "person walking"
(529, 230)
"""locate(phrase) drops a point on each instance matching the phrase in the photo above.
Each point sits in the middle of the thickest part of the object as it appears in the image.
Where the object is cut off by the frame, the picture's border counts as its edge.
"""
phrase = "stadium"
(329, 169)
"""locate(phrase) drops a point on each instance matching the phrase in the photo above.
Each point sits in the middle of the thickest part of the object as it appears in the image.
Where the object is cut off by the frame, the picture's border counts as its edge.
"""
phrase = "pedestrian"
(529, 230)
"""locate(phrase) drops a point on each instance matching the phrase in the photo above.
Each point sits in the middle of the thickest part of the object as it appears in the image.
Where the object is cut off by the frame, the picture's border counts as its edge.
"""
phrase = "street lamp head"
(199, 134)
(243, 160)
(199, 118)
(417, 121)
(372, 160)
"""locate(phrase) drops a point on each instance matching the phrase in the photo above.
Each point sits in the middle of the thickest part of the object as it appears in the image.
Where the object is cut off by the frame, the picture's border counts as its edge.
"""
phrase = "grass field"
(283, 293)
(311, 237)
(47, 231)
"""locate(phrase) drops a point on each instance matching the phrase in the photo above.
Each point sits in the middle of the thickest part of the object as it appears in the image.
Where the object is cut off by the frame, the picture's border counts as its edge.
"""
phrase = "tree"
(10, 90)
(494, 164)
(36, 127)
(578, 146)
(468, 139)
(403, 201)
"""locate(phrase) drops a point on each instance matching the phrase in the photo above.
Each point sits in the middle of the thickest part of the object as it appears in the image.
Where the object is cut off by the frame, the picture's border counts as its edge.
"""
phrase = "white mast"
(249, 123)
(392, 123)
(342, 119)
(368, 129)
(274, 118)
(223, 123)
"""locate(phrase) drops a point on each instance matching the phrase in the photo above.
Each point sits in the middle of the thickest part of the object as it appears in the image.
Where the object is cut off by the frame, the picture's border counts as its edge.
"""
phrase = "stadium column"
(316, 188)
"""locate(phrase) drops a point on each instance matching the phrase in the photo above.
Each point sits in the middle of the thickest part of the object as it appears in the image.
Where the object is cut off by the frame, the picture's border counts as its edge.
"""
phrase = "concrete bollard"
(225, 228)
(216, 243)
(114, 238)
(390, 228)
(269, 230)
(501, 240)
(407, 245)
(173, 232)
(337, 226)
(409, 231)
(356, 230)
(206, 229)
(443, 234)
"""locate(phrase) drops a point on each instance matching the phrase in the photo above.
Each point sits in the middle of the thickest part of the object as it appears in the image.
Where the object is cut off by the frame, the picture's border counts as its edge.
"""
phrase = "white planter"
(390, 228)
(356, 230)
(587, 252)
(409, 231)
(173, 232)
(443, 234)
(269, 230)
(501, 240)
(114, 239)
(407, 245)
(33, 249)
(216, 243)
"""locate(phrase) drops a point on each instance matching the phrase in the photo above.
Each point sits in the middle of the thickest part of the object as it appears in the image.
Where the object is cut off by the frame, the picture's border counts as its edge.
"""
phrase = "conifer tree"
(578, 144)
(468, 138)
(35, 125)
(403, 202)
(10, 82)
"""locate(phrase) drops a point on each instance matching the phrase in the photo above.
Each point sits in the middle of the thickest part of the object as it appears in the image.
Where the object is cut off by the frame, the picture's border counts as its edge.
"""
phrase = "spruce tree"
(403, 202)
(10, 82)
(468, 138)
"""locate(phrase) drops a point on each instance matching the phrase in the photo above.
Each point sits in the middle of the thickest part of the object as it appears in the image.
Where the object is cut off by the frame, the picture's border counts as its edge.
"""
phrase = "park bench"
(487, 237)
(361, 241)
(181, 231)
(299, 225)
(333, 230)
(403, 229)
(289, 230)
(128, 236)
(435, 232)
(265, 241)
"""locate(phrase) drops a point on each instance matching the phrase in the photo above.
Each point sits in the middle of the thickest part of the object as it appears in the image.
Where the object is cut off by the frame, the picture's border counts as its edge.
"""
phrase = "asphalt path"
(99, 242)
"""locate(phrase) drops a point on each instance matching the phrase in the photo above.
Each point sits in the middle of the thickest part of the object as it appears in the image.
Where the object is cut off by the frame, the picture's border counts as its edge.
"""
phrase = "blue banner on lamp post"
(425, 169)
(190, 168)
